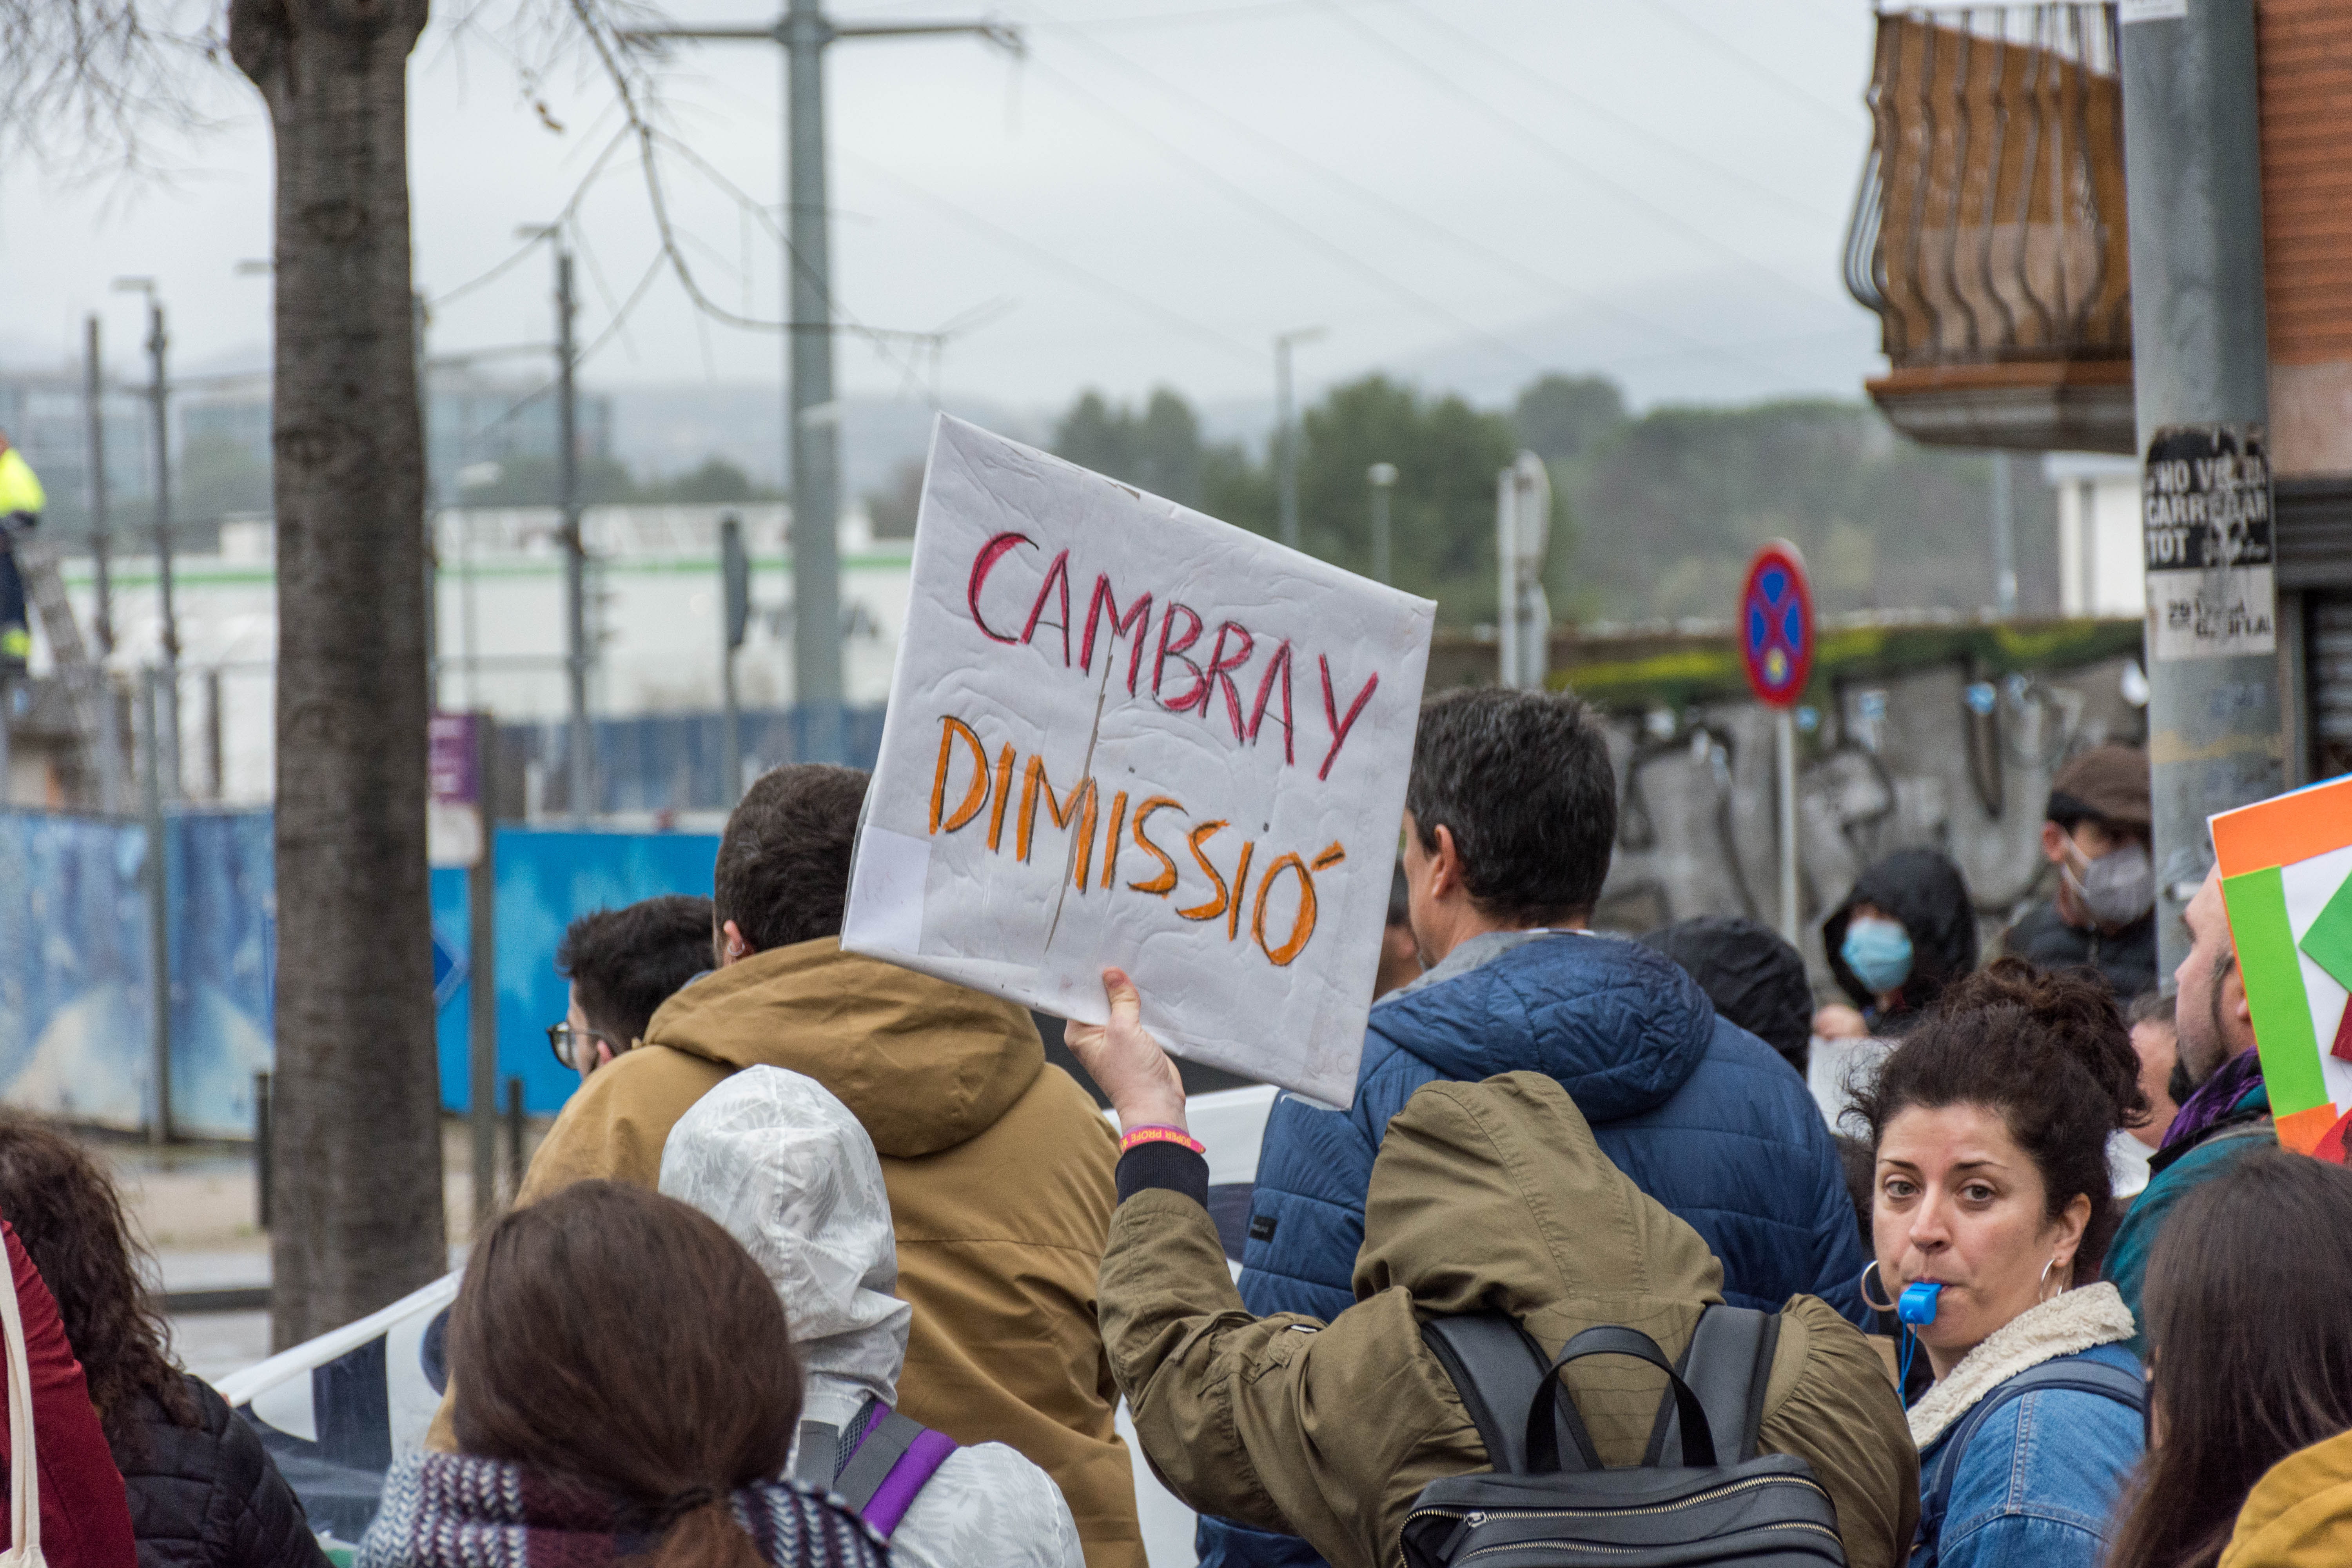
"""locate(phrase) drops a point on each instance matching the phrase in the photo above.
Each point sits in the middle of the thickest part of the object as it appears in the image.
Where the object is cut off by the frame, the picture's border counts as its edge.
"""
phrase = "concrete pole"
(482, 988)
(159, 394)
(2004, 537)
(2192, 166)
(1285, 447)
(1286, 431)
(581, 771)
(734, 611)
(101, 541)
(1383, 477)
(101, 550)
(813, 418)
(159, 910)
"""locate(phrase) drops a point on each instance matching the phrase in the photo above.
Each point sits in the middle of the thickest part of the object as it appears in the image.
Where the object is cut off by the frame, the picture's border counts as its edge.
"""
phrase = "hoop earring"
(2041, 1291)
(1867, 1269)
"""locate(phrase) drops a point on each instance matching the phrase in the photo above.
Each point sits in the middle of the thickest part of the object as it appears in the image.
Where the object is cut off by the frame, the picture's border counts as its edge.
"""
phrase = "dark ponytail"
(2047, 1052)
(622, 1341)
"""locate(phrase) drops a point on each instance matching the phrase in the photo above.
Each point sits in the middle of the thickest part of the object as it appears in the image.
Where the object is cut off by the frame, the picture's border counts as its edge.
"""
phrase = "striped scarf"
(454, 1510)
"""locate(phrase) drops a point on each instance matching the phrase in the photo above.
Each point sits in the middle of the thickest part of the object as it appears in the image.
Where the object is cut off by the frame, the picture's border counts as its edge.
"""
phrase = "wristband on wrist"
(1159, 1132)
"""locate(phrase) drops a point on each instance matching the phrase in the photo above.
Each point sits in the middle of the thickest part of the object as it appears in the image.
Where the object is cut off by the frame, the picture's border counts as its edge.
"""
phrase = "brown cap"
(2109, 783)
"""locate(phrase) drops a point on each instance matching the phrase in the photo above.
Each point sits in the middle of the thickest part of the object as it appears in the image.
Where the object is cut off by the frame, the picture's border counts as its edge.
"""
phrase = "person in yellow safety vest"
(21, 501)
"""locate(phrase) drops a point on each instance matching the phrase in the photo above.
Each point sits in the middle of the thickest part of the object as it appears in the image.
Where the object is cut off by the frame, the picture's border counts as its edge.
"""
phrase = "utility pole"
(1286, 440)
(2004, 537)
(735, 617)
(1522, 537)
(812, 418)
(2201, 388)
(101, 542)
(101, 550)
(159, 393)
(581, 782)
(1383, 477)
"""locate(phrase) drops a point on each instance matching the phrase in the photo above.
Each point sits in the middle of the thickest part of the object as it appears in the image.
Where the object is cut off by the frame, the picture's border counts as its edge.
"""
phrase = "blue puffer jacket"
(1701, 1114)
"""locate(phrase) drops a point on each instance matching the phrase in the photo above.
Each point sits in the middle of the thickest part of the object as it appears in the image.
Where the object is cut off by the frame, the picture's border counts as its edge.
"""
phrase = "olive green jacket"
(1489, 1196)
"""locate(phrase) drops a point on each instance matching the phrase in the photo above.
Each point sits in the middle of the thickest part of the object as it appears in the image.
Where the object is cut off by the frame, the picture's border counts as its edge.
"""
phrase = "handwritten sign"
(1120, 732)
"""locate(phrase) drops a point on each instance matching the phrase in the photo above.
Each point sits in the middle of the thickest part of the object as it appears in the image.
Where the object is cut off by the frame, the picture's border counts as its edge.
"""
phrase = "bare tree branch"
(82, 82)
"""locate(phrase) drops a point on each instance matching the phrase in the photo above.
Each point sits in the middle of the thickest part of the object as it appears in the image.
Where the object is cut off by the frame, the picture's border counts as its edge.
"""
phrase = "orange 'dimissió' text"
(991, 793)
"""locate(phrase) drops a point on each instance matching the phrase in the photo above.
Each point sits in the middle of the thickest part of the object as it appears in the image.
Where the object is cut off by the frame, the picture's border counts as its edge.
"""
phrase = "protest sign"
(1120, 732)
(2286, 879)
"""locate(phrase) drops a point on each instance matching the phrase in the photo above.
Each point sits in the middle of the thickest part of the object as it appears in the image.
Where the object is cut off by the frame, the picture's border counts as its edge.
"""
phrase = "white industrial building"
(654, 610)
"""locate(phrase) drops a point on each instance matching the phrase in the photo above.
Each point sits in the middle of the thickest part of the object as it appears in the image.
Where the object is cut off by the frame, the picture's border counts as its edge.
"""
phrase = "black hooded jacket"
(209, 1496)
(1754, 978)
(1925, 891)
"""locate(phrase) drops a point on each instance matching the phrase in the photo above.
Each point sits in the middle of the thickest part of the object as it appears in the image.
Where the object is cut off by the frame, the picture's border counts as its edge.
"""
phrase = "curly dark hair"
(2049, 1053)
(70, 1219)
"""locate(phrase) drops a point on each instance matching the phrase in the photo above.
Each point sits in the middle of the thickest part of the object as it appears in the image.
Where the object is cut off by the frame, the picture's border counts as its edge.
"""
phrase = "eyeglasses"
(573, 1046)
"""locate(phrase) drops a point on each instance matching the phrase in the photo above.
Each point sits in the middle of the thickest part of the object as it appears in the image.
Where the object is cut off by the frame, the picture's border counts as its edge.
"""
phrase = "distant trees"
(607, 481)
(1654, 515)
(1442, 510)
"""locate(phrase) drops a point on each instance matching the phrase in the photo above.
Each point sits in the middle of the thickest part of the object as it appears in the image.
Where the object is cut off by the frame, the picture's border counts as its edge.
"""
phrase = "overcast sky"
(1468, 192)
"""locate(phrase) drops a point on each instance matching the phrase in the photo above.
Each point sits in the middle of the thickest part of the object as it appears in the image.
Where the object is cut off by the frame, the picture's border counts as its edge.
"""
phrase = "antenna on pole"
(812, 418)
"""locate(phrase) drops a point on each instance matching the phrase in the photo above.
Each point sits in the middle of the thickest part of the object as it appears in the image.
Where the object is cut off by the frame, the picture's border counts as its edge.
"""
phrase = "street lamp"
(1383, 477)
(1285, 450)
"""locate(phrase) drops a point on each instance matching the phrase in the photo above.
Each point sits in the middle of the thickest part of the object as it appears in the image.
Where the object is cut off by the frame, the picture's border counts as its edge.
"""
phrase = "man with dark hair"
(2104, 912)
(2225, 1118)
(999, 1168)
(1510, 815)
(622, 964)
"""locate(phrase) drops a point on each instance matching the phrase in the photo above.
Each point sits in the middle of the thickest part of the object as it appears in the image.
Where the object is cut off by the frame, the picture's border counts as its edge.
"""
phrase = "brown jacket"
(1000, 1174)
(1488, 1195)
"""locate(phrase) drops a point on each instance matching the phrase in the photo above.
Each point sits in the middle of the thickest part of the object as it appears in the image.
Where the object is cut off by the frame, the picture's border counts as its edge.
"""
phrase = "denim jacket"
(2040, 1481)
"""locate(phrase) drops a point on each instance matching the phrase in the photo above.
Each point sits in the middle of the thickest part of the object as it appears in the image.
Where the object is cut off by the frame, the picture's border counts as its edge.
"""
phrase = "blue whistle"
(1917, 1305)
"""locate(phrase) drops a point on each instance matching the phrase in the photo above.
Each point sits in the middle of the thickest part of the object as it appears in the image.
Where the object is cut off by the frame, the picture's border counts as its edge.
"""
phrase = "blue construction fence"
(76, 1002)
(673, 761)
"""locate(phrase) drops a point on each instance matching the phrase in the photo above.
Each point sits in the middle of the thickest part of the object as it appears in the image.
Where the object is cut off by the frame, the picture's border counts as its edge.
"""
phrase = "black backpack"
(1549, 1503)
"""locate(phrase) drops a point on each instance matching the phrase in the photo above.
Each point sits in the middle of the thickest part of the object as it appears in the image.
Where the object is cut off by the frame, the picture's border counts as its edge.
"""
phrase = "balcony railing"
(1989, 233)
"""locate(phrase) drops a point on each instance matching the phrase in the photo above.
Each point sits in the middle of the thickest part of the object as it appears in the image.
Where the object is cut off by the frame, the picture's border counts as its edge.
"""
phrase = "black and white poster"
(2205, 508)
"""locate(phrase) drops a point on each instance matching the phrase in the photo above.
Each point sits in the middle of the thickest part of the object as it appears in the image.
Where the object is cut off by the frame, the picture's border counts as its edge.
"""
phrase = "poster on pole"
(2205, 516)
(1122, 732)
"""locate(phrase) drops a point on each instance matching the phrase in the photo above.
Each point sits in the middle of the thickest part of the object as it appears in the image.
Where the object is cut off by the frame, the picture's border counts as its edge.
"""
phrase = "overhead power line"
(1555, 152)
(1107, 287)
(1428, 17)
(1276, 217)
(1459, 240)
(1797, 92)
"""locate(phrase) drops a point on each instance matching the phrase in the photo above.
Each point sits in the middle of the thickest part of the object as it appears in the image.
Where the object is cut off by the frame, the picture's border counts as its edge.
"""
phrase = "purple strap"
(907, 1478)
(897, 1493)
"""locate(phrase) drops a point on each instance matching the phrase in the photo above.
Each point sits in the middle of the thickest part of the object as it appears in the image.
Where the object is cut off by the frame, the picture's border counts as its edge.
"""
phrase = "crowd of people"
(825, 1262)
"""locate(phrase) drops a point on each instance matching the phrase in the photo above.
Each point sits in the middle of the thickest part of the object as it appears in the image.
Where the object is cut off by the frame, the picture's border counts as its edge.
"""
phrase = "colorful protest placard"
(2286, 878)
(1122, 732)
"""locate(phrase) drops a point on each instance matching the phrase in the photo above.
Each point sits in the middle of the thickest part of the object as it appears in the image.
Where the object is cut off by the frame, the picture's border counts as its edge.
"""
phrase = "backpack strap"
(1496, 1367)
(2069, 1373)
(1728, 1364)
(820, 1455)
(892, 1461)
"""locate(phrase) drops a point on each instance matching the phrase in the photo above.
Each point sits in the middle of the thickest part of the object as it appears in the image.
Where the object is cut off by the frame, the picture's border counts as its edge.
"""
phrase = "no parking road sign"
(1776, 623)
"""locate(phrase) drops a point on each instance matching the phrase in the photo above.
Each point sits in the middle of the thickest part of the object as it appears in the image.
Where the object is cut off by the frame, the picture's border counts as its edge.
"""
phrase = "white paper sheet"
(1120, 732)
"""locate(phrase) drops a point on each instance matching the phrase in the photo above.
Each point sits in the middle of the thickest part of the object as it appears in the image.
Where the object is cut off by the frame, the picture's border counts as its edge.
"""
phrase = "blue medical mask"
(1879, 953)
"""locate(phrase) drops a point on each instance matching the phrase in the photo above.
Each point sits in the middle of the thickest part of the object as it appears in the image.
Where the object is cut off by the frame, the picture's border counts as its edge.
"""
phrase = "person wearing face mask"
(1990, 1205)
(1906, 931)
(2104, 911)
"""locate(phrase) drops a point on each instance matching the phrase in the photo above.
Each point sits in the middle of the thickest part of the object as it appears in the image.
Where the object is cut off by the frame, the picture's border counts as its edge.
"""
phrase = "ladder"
(84, 681)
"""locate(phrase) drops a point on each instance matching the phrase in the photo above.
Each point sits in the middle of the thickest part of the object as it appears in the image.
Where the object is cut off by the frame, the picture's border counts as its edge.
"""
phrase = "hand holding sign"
(1122, 732)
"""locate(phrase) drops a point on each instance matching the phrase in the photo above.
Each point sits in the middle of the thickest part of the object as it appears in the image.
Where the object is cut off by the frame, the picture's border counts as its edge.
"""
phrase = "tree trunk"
(358, 1218)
